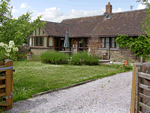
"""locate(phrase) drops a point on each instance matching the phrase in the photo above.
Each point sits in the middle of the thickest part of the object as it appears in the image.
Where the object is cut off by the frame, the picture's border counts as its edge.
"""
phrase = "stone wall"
(123, 54)
(117, 55)
(37, 51)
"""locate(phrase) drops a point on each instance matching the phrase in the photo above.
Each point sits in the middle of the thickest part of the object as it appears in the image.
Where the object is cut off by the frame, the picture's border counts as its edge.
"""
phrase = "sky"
(57, 10)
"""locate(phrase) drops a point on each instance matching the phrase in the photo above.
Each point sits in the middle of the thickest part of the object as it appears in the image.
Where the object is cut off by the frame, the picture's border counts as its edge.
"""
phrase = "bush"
(21, 56)
(54, 57)
(76, 59)
(84, 58)
(22, 52)
(36, 57)
(89, 59)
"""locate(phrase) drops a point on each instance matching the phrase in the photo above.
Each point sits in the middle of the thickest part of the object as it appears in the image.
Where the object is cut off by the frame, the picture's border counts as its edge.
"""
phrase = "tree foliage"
(16, 29)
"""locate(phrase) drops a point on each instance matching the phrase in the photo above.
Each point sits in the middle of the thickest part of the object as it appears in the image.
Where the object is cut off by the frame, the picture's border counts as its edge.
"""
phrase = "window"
(41, 31)
(41, 41)
(30, 41)
(83, 44)
(33, 40)
(50, 41)
(73, 43)
(37, 41)
(103, 42)
(107, 42)
(80, 42)
(45, 41)
(113, 43)
(86, 42)
(37, 31)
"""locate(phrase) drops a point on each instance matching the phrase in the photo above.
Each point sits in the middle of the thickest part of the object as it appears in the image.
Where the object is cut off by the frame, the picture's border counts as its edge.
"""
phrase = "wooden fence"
(140, 95)
(6, 84)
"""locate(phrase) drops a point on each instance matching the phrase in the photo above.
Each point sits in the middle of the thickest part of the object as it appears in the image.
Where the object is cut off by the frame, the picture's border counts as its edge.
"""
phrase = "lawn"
(31, 77)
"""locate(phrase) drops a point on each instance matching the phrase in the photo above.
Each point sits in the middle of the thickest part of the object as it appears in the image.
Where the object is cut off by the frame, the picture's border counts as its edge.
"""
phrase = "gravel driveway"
(107, 95)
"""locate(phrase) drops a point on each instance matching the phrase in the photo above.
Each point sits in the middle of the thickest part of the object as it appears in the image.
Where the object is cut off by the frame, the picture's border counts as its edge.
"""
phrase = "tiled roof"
(55, 29)
(127, 23)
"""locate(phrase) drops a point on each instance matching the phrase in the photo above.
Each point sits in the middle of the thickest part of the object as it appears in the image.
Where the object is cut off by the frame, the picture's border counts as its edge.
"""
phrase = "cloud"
(142, 6)
(24, 5)
(56, 15)
(14, 10)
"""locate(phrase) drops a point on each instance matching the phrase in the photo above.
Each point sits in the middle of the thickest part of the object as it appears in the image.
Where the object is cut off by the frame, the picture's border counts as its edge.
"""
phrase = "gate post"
(133, 90)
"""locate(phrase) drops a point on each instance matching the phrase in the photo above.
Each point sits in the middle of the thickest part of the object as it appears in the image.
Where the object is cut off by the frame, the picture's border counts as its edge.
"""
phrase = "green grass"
(31, 77)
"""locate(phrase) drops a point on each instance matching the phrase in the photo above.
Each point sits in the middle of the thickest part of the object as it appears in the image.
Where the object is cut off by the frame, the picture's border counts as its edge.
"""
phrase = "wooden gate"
(6, 84)
(140, 95)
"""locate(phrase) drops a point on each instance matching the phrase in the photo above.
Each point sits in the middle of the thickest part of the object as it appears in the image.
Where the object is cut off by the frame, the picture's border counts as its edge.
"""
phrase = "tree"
(16, 29)
(146, 22)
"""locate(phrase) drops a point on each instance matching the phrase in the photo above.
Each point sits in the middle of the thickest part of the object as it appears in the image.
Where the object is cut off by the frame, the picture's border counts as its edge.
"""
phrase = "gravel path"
(107, 95)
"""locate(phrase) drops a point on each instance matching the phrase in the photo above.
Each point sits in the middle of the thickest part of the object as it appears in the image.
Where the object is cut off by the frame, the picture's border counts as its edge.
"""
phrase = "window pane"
(117, 45)
(30, 41)
(80, 42)
(107, 39)
(37, 31)
(50, 41)
(86, 43)
(33, 40)
(34, 33)
(113, 39)
(41, 31)
(102, 39)
(113, 45)
(41, 40)
(107, 45)
(45, 41)
(102, 44)
(36, 41)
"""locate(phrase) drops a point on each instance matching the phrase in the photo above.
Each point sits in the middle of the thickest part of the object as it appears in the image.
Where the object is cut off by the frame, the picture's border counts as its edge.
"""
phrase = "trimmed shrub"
(36, 57)
(84, 58)
(89, 59)
(54, 57)
(76, 59)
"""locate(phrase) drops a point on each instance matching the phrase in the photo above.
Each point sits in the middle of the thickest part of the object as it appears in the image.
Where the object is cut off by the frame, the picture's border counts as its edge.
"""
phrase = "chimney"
(109, 8)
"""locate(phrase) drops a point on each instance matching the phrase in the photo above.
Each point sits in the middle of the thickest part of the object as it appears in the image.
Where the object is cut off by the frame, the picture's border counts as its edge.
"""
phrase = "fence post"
(133, 90)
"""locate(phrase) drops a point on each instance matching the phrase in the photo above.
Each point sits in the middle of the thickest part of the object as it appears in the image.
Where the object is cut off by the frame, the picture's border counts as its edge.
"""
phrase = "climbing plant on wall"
(139, 45)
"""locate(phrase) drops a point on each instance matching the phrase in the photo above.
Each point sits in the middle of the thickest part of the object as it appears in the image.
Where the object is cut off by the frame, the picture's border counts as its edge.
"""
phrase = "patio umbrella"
(66, 43)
